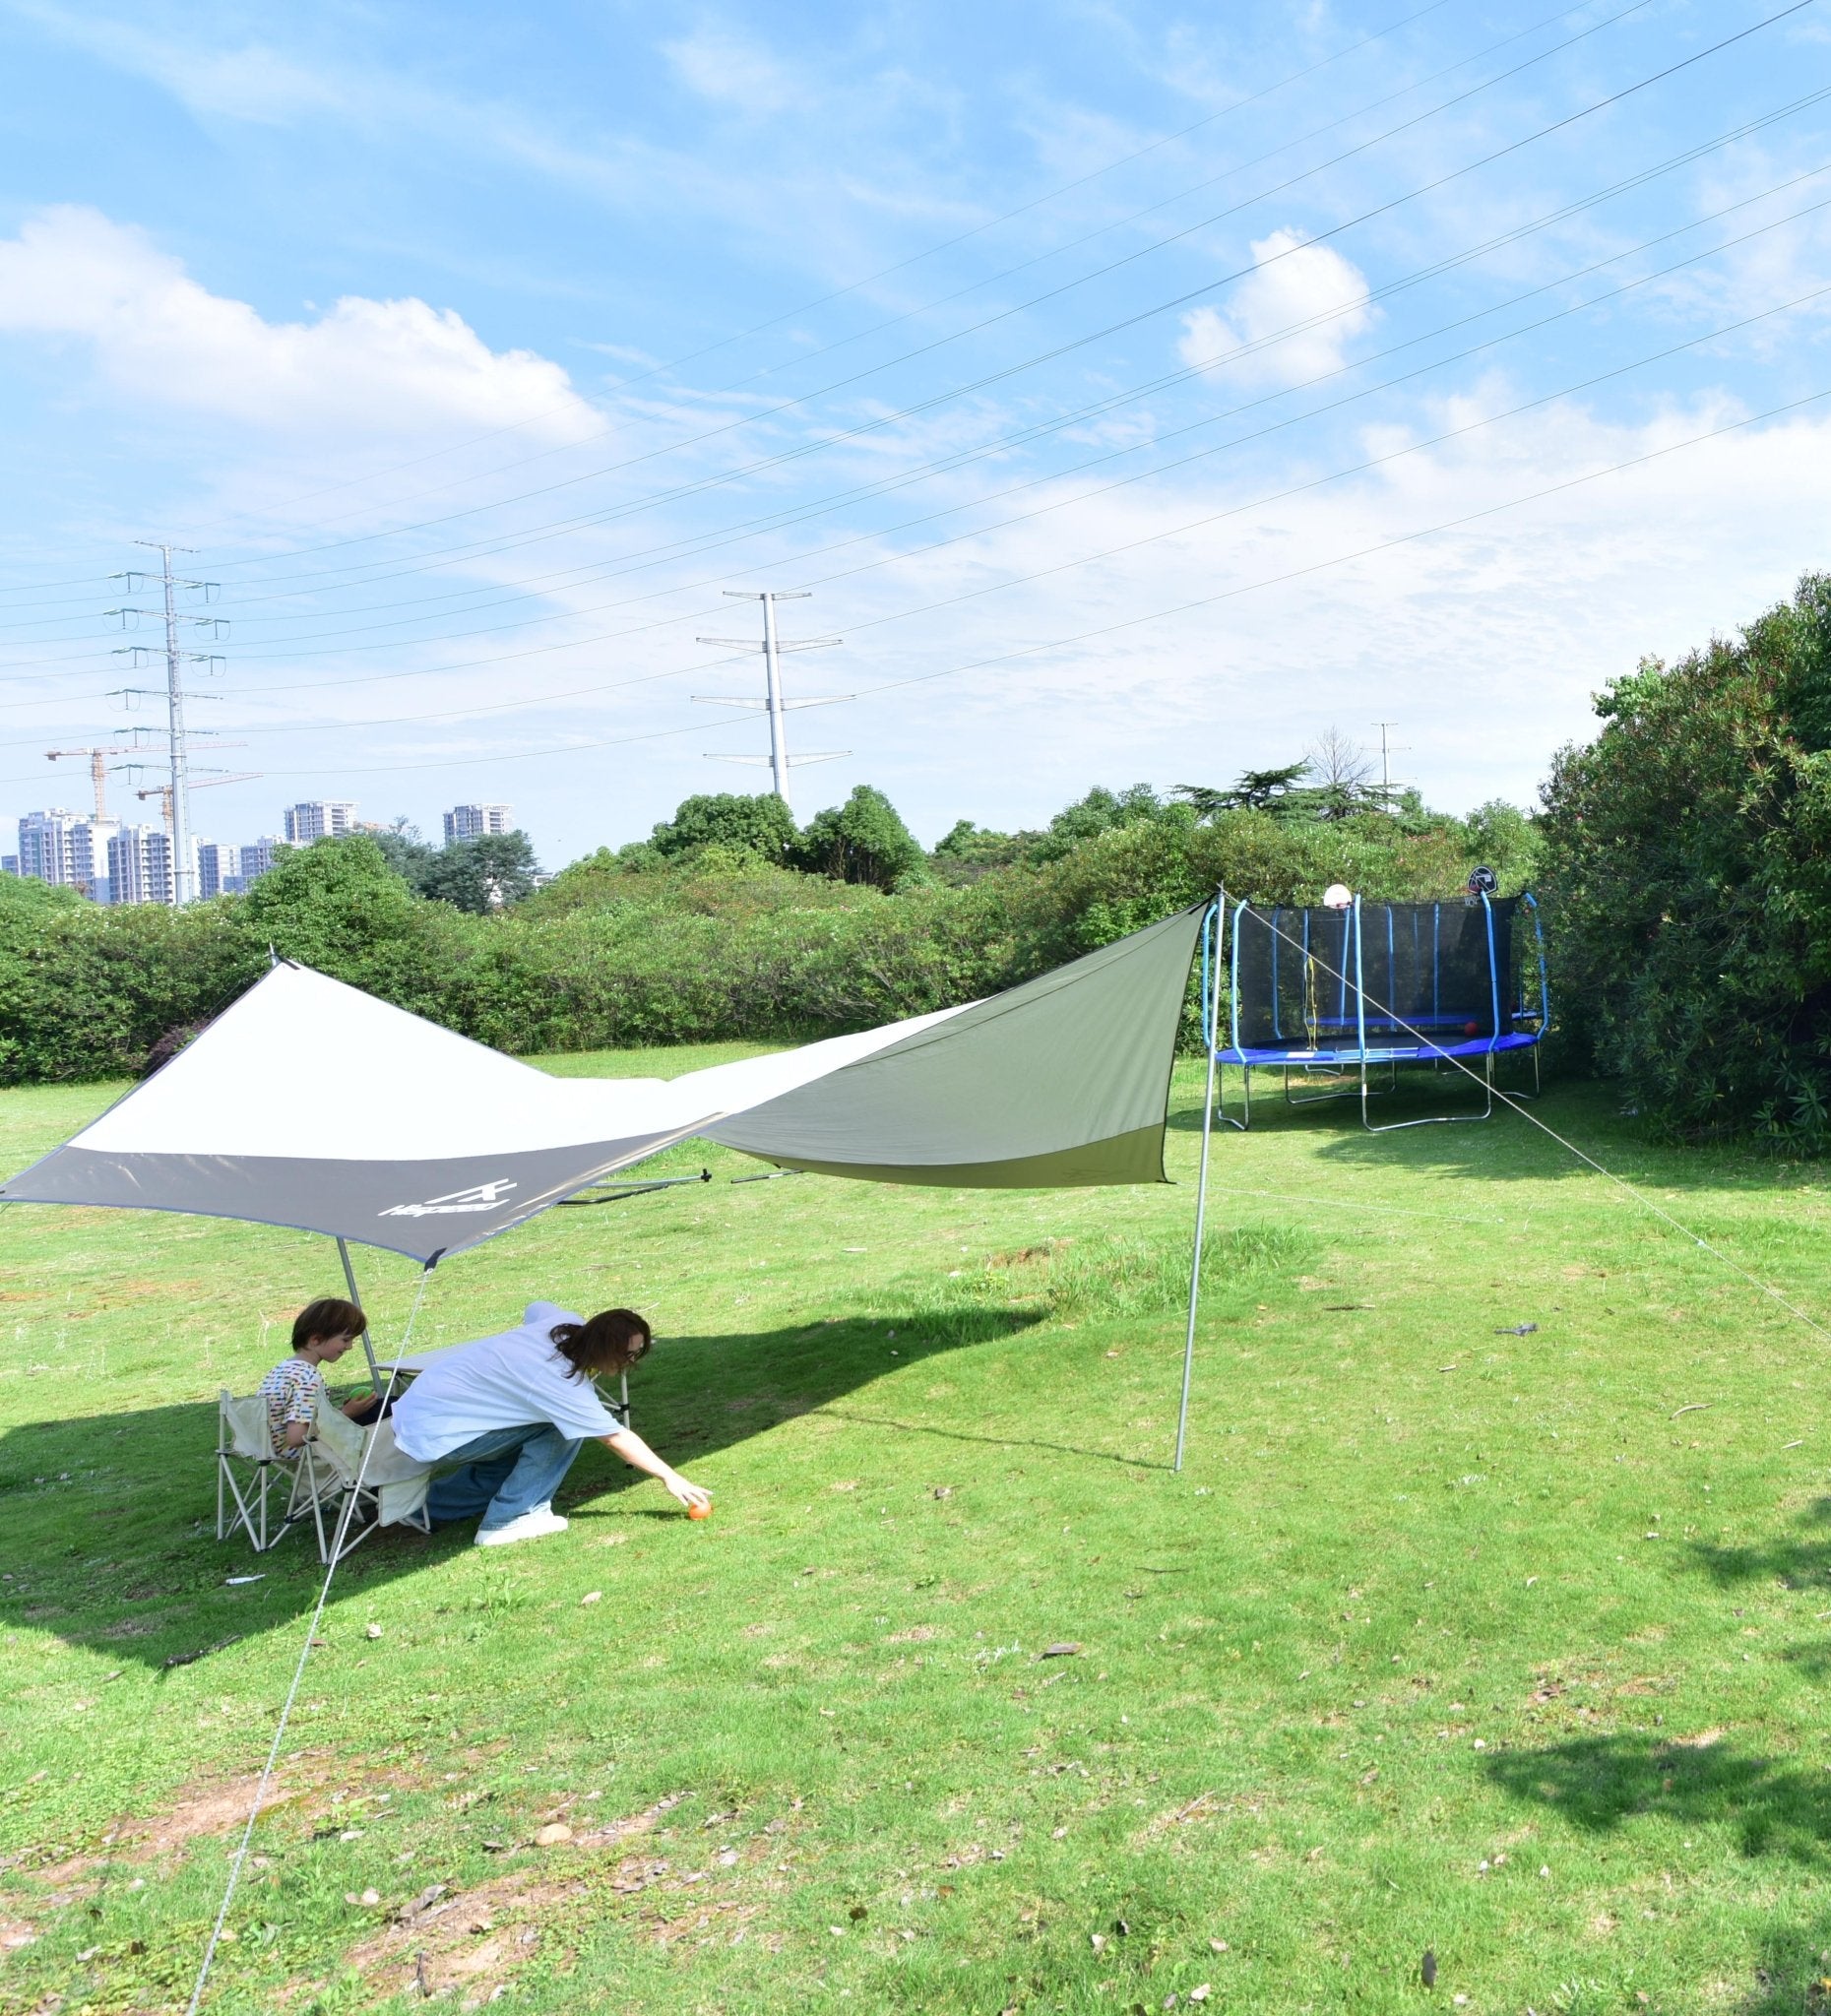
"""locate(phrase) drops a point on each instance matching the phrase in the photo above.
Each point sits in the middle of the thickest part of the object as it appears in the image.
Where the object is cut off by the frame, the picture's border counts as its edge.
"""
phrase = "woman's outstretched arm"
(638, 1456)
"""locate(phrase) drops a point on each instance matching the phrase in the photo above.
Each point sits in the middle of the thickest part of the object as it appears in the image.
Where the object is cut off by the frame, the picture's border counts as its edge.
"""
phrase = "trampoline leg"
(1240, 1125)
(1486, 1079)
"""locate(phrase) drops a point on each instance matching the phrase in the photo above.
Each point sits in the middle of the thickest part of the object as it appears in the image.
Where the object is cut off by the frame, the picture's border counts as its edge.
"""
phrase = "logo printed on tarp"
(478, 1197)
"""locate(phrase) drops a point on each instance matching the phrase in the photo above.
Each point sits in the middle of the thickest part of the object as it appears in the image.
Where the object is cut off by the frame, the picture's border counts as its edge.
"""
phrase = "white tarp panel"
(309, 1104)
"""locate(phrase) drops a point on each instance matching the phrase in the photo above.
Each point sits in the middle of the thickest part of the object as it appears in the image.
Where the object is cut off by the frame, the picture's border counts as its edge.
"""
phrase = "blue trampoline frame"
(1361, 1053)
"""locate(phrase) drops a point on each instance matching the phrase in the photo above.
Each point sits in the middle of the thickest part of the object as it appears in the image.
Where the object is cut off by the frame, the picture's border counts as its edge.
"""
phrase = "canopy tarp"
(310, 1103)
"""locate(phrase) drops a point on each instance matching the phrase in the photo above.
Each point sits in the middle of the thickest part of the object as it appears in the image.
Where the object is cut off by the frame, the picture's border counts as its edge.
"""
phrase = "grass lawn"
(1508, 1646)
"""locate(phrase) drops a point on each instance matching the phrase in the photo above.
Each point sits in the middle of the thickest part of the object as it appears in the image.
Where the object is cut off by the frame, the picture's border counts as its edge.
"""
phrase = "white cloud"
(1308, 289)
(398, 367)
(730, 69)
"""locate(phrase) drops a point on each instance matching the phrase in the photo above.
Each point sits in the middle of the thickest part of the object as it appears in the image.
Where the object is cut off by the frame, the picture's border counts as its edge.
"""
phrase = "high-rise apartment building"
(317, 818)
(258, 857)
(66, 850)
(215, 867)
(45, 845)
(140, 864)
(89, 857)
(471, 822)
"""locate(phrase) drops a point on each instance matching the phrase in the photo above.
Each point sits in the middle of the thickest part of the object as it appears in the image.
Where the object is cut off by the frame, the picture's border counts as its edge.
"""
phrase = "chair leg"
(342, 1546)
(244, 1513)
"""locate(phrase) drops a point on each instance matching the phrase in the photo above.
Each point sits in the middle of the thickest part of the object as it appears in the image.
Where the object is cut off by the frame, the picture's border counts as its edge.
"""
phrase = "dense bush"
(1687, 876)
(698, 935)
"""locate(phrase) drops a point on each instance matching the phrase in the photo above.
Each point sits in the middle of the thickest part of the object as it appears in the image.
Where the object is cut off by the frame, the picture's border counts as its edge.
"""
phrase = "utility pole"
(1387, 751)
(772, 648)
(176, 658)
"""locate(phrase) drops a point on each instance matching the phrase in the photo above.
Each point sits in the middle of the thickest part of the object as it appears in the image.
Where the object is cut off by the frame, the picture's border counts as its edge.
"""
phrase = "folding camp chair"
(393, 1488)
(248, 1473)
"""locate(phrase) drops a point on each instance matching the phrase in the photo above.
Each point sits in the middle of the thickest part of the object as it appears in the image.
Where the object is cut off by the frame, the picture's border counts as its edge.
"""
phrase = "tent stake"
(350, 1281)
(1210, 1009)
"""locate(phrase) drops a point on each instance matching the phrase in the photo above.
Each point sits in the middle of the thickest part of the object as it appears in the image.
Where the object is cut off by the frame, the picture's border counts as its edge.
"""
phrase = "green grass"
(1445, 1638)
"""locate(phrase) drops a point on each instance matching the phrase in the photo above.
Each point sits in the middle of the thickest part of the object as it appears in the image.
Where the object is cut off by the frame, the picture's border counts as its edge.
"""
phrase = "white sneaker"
(534, 1524)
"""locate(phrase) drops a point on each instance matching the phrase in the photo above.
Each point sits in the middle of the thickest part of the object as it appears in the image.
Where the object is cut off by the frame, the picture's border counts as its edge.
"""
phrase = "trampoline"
(1339, 994)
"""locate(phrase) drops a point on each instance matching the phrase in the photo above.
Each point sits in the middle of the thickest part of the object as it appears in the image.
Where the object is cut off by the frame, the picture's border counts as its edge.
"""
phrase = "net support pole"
(350, 1281)
(1201, 1209)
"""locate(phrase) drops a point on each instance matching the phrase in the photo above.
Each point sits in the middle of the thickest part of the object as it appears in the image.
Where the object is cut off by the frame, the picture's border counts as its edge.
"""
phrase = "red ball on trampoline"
(1471, 1029)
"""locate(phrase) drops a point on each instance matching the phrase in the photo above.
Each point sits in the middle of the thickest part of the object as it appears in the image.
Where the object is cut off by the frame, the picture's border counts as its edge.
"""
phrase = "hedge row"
(714, 947)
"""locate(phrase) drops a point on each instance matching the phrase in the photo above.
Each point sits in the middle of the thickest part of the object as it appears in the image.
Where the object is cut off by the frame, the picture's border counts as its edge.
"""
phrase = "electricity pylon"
(177, 659)
(772, 648)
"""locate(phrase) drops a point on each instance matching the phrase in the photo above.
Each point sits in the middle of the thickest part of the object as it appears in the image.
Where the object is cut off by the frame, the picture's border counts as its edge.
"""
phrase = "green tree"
(1687, 881)
(966, 852)
(487, 873)
(1253, 790)
(1507, 840)
(862, 841)
(406, 852)
(1101, 811)
(761, 825)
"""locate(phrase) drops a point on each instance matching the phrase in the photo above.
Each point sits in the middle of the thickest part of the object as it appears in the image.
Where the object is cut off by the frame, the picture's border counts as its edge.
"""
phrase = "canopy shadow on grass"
(110, 1519)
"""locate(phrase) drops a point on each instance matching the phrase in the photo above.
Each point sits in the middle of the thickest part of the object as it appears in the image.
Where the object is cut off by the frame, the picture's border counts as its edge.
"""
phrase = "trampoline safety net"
(1444, 972)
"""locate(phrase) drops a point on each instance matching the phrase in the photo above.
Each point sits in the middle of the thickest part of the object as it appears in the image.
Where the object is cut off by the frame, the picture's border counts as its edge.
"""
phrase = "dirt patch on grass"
(470, 1943)
(214, 1811)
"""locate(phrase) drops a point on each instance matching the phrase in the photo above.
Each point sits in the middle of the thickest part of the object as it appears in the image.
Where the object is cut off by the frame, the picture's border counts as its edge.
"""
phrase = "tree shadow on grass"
(1598, 1784)
(110, 1519)
(1778, 1810)
(1795, 1560)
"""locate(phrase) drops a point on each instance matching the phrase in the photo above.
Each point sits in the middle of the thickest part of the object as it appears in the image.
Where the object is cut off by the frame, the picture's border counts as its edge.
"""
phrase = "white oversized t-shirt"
(499, 1382)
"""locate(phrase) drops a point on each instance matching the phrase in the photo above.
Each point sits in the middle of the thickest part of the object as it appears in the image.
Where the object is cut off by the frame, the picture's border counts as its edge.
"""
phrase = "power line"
(963, 237)
(1162, 307)
(1083, 496)
(1304, 572)
(960, 457)
(1078, 342)
(1105, 231)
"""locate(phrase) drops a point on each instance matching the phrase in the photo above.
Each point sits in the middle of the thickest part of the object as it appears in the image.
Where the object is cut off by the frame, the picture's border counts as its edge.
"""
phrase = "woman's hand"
(687, 1493)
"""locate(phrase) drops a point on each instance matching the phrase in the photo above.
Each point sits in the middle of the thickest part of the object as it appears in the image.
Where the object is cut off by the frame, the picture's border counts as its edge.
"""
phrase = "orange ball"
(699, 1511)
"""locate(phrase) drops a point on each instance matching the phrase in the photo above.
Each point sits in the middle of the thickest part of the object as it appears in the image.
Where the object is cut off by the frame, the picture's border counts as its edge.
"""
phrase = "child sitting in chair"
(321, 1332)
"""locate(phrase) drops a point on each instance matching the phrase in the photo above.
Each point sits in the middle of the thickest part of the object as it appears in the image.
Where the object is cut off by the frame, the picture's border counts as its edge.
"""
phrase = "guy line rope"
(1210, 1029)
(298, 1675)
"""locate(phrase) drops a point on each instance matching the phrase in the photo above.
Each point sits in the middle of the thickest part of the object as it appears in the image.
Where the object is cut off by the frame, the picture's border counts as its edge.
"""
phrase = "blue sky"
(1141, 392)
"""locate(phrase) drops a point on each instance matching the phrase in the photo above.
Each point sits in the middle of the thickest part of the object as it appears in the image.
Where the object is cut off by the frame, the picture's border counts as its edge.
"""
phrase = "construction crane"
(98, 772)
(162, 791)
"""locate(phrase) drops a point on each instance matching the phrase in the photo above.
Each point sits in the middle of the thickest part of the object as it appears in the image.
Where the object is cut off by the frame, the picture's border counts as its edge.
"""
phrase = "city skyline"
(116, 862)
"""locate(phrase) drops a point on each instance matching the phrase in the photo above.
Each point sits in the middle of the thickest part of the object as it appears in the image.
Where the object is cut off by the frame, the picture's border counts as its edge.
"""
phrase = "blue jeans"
(504, 1472)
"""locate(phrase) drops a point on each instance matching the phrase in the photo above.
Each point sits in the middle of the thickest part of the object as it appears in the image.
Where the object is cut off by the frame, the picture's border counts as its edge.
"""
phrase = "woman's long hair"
(609, 1342)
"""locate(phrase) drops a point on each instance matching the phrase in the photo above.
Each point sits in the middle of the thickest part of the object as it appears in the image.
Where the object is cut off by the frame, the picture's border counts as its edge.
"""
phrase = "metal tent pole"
(350, 1281)
(1201, 1207)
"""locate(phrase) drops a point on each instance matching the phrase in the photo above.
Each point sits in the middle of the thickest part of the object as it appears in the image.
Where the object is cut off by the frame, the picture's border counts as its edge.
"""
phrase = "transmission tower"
(177, 659)
(772, 648)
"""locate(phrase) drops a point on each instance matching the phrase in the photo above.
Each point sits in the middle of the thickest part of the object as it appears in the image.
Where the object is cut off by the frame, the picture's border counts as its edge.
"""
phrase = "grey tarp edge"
(417, 1208)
